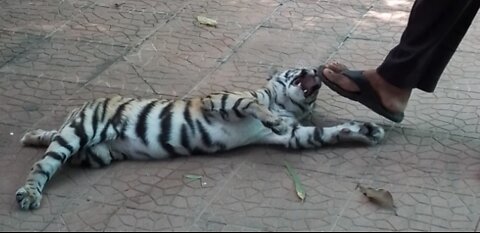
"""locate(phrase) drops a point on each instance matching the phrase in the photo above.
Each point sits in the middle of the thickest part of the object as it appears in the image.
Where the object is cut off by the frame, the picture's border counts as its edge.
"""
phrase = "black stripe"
(303, 73)
(95, 157)
(188, 116)
(42, 171)
(267, 124)
(206, 117)
(112, 158)
(141, 128)
(317, 135)
(221, 146)
(207, 140)
(223, 102)
(287, 74)
(295, 127)
(261, 93)
(197, 151)
(269, 93)
(63, 143)
(224, 114)
(103, 135)
(299, 145)
(38, 187)
(165, 129)
(55, 155)
(123, 129)
(298, 105)
(117, 117)
(105, 106)
(124, 156)
(88, 105)
(116, 120)
(281, 83)
(80, 130)
(208, 98)
(235, 108)
(95, 121)
(184, 138)
(166, 110)
(248, 105)
(254, 94)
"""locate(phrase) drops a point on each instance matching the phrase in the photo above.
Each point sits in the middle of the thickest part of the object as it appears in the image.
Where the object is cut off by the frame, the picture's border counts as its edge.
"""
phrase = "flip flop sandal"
(366, 96)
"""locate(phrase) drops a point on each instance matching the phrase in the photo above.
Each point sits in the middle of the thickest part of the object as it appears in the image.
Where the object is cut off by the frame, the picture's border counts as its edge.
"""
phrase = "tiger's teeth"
(305, 91)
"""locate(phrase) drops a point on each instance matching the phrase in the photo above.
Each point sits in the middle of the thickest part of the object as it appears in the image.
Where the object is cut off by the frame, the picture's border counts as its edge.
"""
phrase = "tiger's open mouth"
(308, 83)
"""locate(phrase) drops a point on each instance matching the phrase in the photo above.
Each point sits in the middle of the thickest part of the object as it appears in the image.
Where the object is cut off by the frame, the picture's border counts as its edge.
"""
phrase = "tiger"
(117, 128)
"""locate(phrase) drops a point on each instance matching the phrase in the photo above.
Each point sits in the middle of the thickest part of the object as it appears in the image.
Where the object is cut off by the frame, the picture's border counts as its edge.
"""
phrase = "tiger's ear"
(272, 72)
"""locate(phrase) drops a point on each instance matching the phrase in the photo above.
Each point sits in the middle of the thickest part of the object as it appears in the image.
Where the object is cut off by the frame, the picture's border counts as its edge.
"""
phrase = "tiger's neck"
(264, 96)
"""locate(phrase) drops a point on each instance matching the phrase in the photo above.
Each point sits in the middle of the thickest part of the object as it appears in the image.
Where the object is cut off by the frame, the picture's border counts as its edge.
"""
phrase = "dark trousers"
(435, 29)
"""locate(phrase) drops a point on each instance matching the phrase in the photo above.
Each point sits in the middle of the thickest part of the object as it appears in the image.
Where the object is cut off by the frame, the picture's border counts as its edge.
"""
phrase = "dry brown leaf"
(381, 197)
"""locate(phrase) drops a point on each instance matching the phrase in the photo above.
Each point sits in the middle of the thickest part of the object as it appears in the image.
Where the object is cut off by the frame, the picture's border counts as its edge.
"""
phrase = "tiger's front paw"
(369, 133)
(28, 197)
(278, 126)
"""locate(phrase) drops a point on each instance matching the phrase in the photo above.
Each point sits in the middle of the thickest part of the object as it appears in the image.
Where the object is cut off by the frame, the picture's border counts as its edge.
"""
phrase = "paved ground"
(54, 54)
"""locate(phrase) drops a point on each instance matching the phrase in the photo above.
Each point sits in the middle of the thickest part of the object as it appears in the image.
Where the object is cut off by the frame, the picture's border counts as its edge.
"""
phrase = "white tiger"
(109, 129)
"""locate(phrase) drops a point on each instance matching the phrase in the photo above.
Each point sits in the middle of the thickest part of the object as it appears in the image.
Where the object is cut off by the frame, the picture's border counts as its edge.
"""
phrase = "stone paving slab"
(13, 44)
(382, 23)
(56, 54)
(167, 74)
(111, 26)
(291, 48)
(146, 6)
(261, 197)
(36, 17)
(445, 163)
(64, 60)
(326, 18)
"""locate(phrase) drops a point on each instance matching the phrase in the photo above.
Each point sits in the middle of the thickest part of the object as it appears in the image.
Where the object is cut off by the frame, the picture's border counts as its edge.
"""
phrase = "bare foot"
(393, 98)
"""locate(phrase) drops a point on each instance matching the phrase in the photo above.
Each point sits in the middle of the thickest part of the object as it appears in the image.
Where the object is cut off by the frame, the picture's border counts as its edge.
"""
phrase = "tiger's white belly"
(231, 134)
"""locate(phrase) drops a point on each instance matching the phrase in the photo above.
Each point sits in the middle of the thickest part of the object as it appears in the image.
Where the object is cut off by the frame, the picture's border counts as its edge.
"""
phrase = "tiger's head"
(296, 89)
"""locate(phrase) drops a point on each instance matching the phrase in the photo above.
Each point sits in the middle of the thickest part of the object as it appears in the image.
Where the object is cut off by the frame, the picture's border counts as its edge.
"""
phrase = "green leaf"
(192, 177)
(298, 184)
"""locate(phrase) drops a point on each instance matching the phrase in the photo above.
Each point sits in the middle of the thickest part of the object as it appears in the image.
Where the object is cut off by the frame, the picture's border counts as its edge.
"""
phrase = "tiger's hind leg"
(38, 137)
(77, 133)
(65, 144)
(96, 156)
